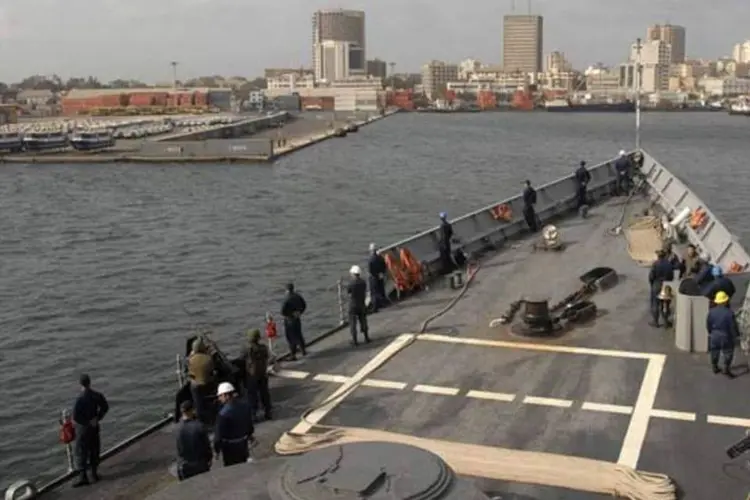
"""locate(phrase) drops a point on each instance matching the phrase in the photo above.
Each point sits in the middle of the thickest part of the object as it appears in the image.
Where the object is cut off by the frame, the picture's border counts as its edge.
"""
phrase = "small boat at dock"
(92, 140)
(42, 141)
(11, 142)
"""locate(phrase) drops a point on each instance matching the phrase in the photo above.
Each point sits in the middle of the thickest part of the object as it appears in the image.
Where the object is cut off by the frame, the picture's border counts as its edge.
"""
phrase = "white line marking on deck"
(292, 374)
(559, 403)
(674, 415)
(732, 421)
(436, 389)
(324, 377)
(636, 434)
(536, 347)
(345, 389)
(492, 396)
(384, 384)
(607, 408)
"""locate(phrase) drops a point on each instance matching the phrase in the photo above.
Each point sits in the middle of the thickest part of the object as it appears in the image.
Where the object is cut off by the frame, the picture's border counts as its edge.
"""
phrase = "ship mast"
(638, 94)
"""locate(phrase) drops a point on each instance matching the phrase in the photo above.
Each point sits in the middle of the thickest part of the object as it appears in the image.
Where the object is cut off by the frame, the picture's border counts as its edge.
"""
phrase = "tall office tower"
(671, 34)
(523, 40)
(345, 27)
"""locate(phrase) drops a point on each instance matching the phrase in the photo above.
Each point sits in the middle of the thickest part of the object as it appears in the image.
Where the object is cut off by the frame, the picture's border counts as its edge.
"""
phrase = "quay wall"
(231, 130)
(217, 148)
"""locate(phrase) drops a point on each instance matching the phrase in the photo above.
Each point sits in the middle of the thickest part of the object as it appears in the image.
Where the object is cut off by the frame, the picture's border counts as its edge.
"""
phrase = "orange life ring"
(502, 212)
(698, 218)
(412, 267)
(396, 270)
(735, 267)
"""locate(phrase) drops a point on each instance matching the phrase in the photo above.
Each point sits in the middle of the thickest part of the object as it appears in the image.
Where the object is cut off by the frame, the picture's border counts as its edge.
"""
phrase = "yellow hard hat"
(721, 298)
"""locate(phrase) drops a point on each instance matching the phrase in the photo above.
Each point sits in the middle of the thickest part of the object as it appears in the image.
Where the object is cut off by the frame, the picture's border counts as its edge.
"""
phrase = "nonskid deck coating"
(541, 423)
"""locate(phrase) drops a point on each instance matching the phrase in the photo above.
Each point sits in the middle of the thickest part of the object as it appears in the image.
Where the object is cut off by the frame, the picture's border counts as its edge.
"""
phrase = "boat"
(11, 142)
(741, 107)
(92, 140)
(352, 127)
(535, 355)
(42, 141)
(340, 132)
(566, 106)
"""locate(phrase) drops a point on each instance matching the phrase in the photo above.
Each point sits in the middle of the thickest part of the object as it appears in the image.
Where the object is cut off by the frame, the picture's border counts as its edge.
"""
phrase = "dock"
(264, 147)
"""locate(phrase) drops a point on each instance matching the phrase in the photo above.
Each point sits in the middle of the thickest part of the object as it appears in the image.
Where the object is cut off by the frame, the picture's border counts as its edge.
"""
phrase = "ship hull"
(626, 107)
(91, 145)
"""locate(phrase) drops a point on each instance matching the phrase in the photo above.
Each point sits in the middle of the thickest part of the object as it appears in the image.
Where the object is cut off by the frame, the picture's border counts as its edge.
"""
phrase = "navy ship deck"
(616, 390)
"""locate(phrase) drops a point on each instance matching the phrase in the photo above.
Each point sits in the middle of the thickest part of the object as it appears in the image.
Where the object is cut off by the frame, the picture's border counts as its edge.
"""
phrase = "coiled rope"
(480, 461)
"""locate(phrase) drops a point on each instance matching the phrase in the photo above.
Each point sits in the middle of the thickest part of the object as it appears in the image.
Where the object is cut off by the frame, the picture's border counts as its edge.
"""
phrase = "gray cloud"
(138, 38)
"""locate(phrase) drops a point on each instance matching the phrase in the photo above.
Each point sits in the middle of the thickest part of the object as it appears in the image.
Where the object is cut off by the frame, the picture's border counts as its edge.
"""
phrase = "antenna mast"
(638, 94)
(174, 73)
(528, 6)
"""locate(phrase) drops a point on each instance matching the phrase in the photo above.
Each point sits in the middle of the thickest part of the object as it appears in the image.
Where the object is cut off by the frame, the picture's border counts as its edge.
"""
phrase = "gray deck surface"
(691, 452)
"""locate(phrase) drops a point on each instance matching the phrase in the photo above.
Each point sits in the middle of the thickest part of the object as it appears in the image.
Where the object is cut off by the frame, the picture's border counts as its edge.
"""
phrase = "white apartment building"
(340, 60)
(437, 74)
(727, 86)
(467, 68)
(287, 83)
(655, 57)
(741, 52)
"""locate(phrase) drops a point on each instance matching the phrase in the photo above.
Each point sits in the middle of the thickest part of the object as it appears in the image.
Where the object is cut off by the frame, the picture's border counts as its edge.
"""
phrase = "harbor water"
(106, 269)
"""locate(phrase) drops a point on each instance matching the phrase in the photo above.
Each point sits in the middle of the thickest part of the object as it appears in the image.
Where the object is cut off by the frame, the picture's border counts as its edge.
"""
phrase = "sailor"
(583, 177)
(661, 272)
(193, 446)
(721, 325)
(529, 200)
(292, 309)
(234, 427)
(89, 409)
(622, 169)
(720, 283)
(357, 290)
(377, 268)
(201, 373)
(691, 263)
(256, 356)
(446, 236)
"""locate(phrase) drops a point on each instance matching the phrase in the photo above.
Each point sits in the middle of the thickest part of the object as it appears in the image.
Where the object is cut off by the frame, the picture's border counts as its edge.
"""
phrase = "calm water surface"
(101, 263)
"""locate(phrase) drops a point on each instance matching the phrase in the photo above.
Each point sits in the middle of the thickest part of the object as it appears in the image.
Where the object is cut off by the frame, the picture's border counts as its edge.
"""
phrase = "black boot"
(367, 338)
(715, 368)
(81, 481)
(95, 475)
(728, 372)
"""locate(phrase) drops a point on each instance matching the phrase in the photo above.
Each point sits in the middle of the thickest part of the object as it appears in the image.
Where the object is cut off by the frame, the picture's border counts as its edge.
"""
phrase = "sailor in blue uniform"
(377, 268)
(583, 177)
(622, 169)
(234, 427)
(89, 409)
(720, 283)
(721, 325)
(292, 309)
(529, 200)
(661, 272)
(357, 290)
(445, 235)
(193, 446)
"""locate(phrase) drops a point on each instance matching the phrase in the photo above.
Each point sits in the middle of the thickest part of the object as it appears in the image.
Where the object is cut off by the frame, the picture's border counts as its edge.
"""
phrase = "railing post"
(340, 293)
(64, 416)
(180, 374)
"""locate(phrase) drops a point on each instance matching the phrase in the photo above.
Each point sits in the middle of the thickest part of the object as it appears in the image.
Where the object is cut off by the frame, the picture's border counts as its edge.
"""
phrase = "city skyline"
(234, 37)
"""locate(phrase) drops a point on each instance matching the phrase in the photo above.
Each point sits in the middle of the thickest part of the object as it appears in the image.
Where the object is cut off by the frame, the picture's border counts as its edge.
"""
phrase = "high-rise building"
(435, 75)
(523, 41)
(654, 58)
(347, 26)
(377, 68)
(557, 63)
(671, 34)
(741, 52)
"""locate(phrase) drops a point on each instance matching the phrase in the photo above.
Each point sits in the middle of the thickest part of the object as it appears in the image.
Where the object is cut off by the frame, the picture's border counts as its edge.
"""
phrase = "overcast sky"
(137, 38)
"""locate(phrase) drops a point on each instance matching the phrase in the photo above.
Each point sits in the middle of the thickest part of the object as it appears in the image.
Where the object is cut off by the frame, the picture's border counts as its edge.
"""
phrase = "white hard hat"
(372, 247)
(225, 388)
(355, 270)
(622, 152)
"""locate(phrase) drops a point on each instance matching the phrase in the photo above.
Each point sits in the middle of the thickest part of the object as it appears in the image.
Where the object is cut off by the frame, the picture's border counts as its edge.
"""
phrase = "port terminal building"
(115, 101)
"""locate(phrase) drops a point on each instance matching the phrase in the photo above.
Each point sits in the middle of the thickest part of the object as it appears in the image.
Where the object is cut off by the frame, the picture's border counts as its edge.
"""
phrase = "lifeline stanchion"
(340, 292)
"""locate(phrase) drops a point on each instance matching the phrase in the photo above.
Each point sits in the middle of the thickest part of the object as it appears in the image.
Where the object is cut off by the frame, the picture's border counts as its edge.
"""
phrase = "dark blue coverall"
(89, 405)
(583, 177)
(378, 269)
(292, 308)
(446, 235)
(661, 271)
(721, 325)
(357, 290)
(529, 200)
(622, 169)
(720, 284)
(193, 449)
(234, 430)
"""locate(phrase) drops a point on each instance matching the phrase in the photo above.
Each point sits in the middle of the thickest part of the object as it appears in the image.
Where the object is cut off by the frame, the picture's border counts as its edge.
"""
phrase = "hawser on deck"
(616, 390)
